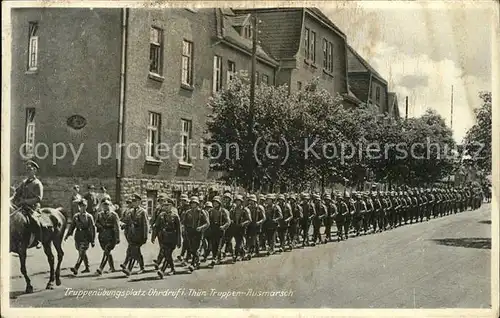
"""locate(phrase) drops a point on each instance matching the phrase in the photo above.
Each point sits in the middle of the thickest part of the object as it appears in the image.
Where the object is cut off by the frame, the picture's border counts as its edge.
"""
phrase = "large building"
(89, 80)
(107, 86)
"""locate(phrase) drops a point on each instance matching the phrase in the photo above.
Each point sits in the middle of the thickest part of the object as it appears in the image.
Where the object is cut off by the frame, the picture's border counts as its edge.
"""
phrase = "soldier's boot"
(36, 228)
(141, 263)
(104, 260)
(74, 270)
(111, 263)
(86, 263)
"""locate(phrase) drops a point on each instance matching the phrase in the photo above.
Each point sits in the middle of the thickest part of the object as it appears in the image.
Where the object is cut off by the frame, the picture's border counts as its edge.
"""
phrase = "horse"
(53, 223)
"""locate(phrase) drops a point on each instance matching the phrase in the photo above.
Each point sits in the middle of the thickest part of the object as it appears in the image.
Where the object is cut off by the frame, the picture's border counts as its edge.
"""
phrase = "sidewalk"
(37, 264)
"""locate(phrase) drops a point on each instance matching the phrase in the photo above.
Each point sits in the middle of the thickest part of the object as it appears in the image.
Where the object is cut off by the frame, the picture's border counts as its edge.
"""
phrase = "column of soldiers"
(243, 226)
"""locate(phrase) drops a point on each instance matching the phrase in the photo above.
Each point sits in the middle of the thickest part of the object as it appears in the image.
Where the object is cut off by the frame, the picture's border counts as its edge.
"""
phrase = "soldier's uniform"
(228, 236)
(331, 212)
(320, 212)
(258, 217)
(219, 222)
(92, 201)
(195, 221)
(377, 209)
(136, 231)
(294, 223)
(162, 197)
(83, 227)
(273, 216)
(27, 197)
(240, 218)
(167, 227)
(307, 214)
(183, 208)
(284, 223)
(108, 234)
(340, 219)
(356, 211)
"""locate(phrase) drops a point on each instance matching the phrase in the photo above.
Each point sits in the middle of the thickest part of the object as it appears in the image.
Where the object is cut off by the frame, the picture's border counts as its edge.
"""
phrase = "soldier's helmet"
(269, 196)
(293, 197)
(281, 196)
(327, 197)
(228, 195)
(316, 196)
(217, 199)
(305, 196)
(347, 195)
(238, 197)
(184, 197)
(252, 197)
(410, 192)
(209, 204)
(83, 201)
(162, 196)
(262, 197)
(195, 200)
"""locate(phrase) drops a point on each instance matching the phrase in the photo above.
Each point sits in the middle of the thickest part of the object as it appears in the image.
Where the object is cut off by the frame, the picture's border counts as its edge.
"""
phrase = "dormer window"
(248, 31)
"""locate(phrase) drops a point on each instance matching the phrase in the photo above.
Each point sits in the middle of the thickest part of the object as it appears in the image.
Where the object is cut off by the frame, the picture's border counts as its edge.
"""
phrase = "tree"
(478, 138)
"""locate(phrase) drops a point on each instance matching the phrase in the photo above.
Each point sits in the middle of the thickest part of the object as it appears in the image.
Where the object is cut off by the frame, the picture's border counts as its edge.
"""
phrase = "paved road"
(441, 263)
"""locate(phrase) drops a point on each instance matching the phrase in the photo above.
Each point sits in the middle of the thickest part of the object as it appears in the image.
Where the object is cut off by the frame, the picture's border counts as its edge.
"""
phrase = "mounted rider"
(28, 196)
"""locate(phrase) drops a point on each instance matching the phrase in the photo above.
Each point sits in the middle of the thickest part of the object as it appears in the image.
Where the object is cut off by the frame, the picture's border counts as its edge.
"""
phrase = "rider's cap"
(33, 164)
(136, 197)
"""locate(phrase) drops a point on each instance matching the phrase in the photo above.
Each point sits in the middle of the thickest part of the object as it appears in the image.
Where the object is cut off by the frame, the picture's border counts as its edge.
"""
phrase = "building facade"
(308, 45)
(366, 83)
(124, 93)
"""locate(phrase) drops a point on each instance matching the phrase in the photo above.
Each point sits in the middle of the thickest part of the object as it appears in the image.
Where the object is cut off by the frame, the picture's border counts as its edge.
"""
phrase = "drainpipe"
(121, 115)
(369, 89)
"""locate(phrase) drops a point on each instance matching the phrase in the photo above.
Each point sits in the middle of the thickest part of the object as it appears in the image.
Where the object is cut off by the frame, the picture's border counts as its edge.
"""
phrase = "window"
(299, 86)
(265, 79)
(30, 132)
(257, 78)
(312, 51)
(153, 134)
(155, 53)
(377, 95)
(330, 57)
(248, 31)
(186, 140)
(187, 63)
(217, 76)
(33, 47)
(306, 43)
(327, 55)
(231, 70)
(150, 202)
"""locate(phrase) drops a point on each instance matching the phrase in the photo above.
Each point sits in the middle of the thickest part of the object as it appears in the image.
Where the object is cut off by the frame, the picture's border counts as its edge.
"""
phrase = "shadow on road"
(485, 222)
(16, 294)
(470, 242)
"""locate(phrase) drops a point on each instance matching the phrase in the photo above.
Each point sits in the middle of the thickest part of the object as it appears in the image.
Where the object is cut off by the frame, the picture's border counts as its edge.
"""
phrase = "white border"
(5, 168)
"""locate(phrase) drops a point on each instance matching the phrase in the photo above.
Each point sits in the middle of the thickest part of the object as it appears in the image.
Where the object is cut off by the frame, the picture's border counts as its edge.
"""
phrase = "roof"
(225, 30)
(355, 67)
(281, 30)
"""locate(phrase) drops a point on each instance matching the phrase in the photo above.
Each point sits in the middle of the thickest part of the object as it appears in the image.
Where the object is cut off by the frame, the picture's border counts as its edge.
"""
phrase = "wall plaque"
(76, 122)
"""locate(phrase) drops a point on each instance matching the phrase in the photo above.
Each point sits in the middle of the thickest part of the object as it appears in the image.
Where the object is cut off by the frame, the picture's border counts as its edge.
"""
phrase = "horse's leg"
(22, 260)
(60, 255)
(47, 248)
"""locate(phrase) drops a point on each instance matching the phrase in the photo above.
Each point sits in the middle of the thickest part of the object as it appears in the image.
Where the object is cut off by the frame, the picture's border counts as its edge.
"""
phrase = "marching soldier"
(195, 221)
(258, 217)
(108, 234)
(228, 239)
(83, 223)
(340, 219)
(262, 236)
(273, 215)
(295, 222)
(136, 229)
(183, 208)
(369, 215)
(331, 210)
(377, 212)
(284, 223)
(167, 227)
(240, 218)
(356, 211)
(318, 216)
(92, 201)
(219, 222)
(28, 197)
(160, 202)
(307, 214)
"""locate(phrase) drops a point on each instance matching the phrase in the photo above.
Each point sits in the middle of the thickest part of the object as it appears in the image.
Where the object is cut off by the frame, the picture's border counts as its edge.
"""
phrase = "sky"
(423, 51)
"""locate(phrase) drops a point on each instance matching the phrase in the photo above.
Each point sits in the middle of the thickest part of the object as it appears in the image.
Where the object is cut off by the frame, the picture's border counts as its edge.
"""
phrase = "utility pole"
(406, 115)
(253, 71)
(451, 120)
